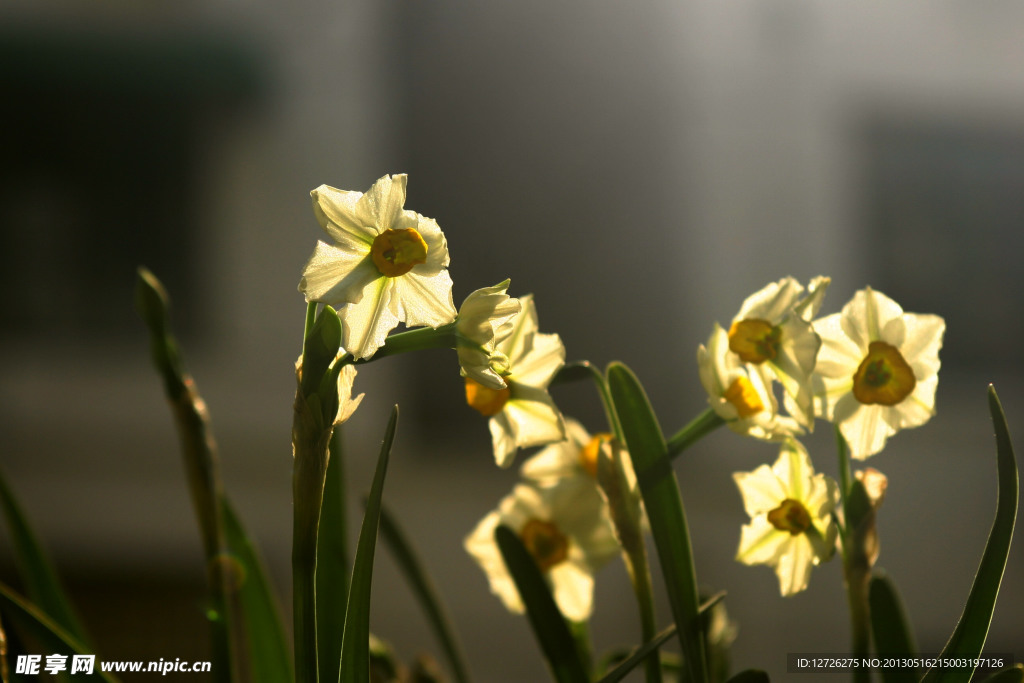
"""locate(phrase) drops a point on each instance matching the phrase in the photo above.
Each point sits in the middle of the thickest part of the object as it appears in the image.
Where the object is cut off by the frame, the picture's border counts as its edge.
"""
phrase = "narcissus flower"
(741, 392)
(790, 508)
(522, 414)
(387, 265)
(879, 369)
(564, 527)
(773, 328)
(484, 322)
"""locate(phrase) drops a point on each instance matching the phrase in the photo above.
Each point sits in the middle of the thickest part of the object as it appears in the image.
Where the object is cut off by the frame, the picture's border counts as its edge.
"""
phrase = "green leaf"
(637, 656)
(320, 349)
(1015, 674)
(40, 579)
(890, 629)
(332, 564)
(665, 511)
(199, 453)
(750, 676)
(968, 639)
(355, 643)
(269, 658)
(549, 627)
(423, 589)
(51, 637)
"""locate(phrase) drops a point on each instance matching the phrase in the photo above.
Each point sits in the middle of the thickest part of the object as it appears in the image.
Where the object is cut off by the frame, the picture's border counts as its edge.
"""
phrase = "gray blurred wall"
(640, 168)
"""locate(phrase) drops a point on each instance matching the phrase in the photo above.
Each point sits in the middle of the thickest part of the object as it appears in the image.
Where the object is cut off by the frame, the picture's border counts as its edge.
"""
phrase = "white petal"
(559, 460)
(761, 490)
(335, 211)
(761, 543)
(437, 245)
(481, 546)
(524, 326)
(794, 565)
(335, 276)
(503, 438)
(771, 303)
(534, 418)
(544, 357)
(866, 431)
(424, 300)
(922, 342)
(573, 589)
(367, 324)
(346, 404)
(382, 205)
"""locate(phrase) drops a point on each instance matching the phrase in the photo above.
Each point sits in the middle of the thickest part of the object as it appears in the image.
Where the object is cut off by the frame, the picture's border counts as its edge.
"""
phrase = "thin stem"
(698, 428)
(413, 340)
(856, 572)
(845, 477)
(640, 573)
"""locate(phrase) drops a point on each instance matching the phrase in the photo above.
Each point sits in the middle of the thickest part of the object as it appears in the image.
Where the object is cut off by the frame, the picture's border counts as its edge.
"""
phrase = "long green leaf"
(269, 658)
(199, 453)
(637, 656)
(968, 639)
(40, 579)
(355, 643)
(51, 636)
(664, 504)
(332, 564)
(890, 629)
(1015, 674)
(423, 589)
(549, 627)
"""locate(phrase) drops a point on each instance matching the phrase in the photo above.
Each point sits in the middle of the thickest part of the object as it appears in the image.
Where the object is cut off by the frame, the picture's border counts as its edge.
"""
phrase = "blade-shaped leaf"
(50, 635)
(664, 505)
(40, 579)
(199, 453)
(269, 658)
(1015, 674)
(355, 642)
(332, 564)
(423, 588)
(548, 624)
(890, 629)
(968, 639)
(637, 656)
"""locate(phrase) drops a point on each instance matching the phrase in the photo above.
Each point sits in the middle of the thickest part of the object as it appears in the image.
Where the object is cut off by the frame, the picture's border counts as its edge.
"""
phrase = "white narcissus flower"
(879, 369)
(522, 414)
(485, 320)
(773, 327)
(387, 265)
(740, 393)
(565, 527)
(790, 509)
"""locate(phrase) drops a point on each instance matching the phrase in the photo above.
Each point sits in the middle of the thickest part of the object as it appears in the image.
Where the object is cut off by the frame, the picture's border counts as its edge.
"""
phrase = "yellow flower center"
(791, 516)
(546, 543)
(590, 452)
(485, 400)
(754, 340)
(395, 252)
(743, 396)
(883, 376)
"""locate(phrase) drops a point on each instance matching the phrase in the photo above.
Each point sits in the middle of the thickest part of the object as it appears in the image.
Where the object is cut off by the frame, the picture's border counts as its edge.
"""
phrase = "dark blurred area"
(641, 168)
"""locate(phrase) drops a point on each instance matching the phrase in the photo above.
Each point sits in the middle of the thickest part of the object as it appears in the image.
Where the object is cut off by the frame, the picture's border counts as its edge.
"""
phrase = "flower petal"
(761, 490)
(573, 589)
(335, 211)
(367, 323)
(424, 300)
(336, 276)
(382, 204)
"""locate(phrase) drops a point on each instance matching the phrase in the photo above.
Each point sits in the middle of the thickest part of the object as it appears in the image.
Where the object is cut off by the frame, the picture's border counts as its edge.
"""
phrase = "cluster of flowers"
(871, 369)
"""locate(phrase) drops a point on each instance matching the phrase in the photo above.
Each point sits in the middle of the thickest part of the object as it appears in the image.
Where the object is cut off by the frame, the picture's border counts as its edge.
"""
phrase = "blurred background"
(640, 167)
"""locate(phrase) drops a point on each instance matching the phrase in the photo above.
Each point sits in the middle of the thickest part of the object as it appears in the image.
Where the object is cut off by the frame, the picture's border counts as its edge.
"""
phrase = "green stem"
(413, 340)
(845, 478)
(856, 572)
(698, 428)
(640, 573)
